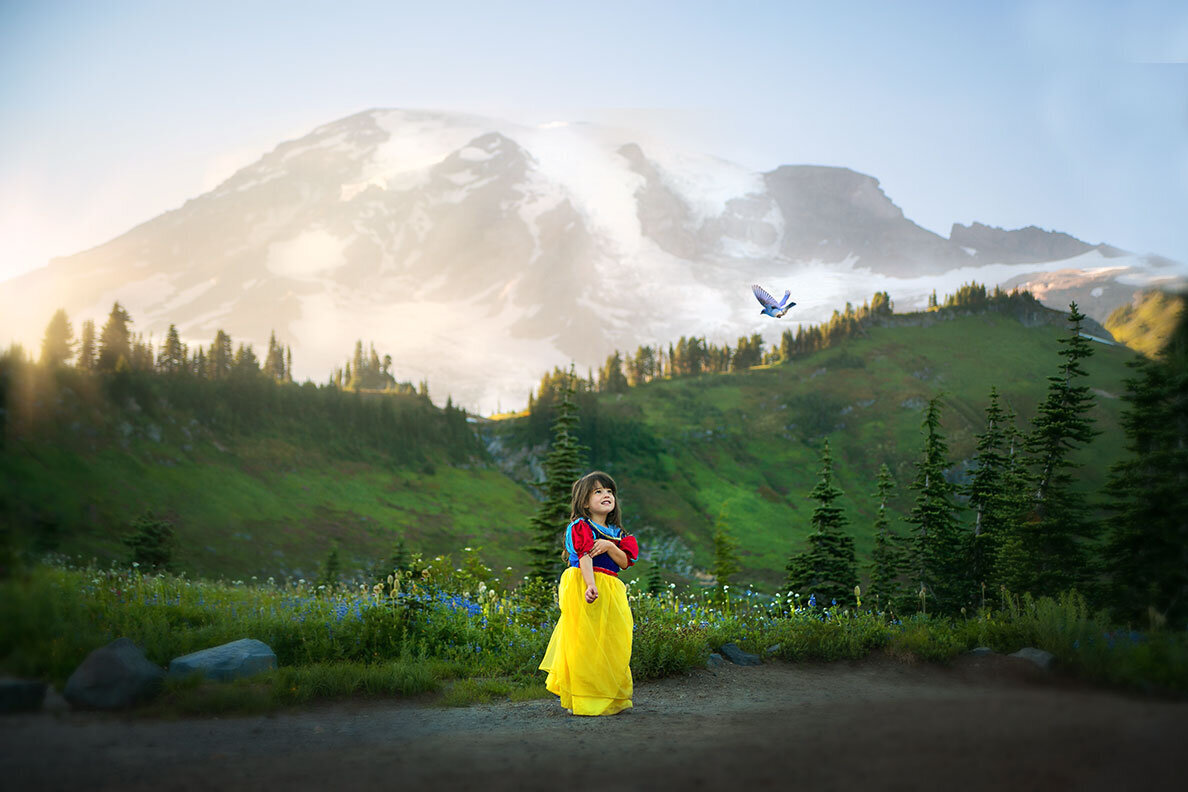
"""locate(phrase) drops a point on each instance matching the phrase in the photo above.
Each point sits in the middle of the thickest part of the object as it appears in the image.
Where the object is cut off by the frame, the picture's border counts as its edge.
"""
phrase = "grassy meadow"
(743, 448)
(456, 635)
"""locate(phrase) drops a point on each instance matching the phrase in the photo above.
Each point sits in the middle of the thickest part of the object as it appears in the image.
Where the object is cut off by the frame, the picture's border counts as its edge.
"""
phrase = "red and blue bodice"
(579, 541)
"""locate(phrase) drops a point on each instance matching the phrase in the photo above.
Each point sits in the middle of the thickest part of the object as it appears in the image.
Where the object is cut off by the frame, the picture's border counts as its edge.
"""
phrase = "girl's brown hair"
(580, 497)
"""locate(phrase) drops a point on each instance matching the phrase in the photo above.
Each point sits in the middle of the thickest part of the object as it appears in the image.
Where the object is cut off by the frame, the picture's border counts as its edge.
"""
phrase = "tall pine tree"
(1051, 555)
(172, 359)
(993, 492)
(939, 552)
(828, 567)
(274, 363)
(1146, 553)
(220, 359)
(57, 347)
(562, 468)
(888, 563)
(86, 347)
(115, 340)
(725, 553)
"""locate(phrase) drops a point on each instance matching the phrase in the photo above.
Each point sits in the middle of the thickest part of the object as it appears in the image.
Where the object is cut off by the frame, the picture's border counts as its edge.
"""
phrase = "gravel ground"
(985, 723)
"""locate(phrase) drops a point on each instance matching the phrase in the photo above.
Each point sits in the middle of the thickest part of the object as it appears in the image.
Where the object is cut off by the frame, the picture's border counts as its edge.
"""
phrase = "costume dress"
(589, 654)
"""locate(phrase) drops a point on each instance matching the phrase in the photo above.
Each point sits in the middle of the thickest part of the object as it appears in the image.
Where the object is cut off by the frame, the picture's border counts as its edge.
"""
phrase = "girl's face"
(601, 503)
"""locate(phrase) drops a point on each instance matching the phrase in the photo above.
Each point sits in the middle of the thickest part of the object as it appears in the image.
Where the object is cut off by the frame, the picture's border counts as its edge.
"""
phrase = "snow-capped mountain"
(480, 253)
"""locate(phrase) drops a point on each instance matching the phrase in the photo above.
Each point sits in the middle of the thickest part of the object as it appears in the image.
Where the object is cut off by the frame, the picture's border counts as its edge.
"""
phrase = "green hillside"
(743, 447)
(257, 478)
(1147, 322)
(264, 479)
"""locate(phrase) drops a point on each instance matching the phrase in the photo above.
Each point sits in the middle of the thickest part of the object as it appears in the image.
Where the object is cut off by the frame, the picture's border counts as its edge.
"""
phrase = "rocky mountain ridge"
(480, 253)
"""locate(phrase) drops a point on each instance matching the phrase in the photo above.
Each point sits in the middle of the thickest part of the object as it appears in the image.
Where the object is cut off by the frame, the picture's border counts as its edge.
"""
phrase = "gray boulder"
(113, 677)
(981, 651)
(1038, 656)
(21, 695)
(715, 661)
(737, 656)
(242, 658)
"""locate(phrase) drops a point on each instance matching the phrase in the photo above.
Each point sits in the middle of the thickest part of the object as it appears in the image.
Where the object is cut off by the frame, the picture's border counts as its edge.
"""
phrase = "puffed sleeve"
(583, 537)
(631, 548)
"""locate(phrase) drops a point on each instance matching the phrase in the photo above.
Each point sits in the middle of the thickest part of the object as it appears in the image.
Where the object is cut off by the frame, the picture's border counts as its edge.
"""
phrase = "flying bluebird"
(770, 306)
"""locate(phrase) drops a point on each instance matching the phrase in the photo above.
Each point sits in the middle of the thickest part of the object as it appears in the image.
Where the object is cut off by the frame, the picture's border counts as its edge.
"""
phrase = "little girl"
(589, 655)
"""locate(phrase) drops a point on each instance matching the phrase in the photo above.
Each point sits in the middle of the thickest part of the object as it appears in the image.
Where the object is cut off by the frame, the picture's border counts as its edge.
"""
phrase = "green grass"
(439, 637)
(1147, 323)
(237, 516)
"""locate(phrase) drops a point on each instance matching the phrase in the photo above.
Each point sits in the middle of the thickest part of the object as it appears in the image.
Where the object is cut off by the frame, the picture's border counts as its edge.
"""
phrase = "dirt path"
(987, 723)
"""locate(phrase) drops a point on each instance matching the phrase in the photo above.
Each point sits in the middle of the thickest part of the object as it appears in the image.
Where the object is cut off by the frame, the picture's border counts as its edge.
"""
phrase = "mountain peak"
(480, 252)
(1017, 246)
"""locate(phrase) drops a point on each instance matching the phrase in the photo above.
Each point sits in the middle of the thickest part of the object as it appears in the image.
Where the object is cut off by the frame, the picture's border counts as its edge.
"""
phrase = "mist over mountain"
(480, 253)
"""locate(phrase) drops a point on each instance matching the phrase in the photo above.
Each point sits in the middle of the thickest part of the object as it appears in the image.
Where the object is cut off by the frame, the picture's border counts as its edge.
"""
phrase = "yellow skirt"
(589, 655)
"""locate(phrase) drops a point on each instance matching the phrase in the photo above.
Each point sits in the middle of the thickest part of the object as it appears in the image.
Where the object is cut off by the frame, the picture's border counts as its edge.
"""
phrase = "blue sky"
(1067, 115)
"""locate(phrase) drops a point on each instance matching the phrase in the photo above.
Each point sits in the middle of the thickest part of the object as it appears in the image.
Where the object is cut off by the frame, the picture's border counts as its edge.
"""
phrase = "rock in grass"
(1038, 656)
(715, 660)
(737, 656)
(981, 651)
(21, 695)
(113, 677)
(242, 658)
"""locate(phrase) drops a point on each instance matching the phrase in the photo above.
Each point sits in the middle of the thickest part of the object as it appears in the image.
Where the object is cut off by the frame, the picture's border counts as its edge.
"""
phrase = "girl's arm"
(586, 565)
(611, 549)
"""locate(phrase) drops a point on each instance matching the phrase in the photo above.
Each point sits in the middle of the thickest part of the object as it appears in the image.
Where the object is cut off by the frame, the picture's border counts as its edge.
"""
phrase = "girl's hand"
(601, 546)
(591, 593)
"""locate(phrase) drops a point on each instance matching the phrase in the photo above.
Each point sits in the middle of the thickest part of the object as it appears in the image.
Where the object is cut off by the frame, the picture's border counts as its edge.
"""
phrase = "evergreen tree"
(150, 543)
(828, 567)
(889, 558)
(274, 363)
(561, 468)
(142, 353)
(992, 503)
(57, 347)
(172, 359)
(288, 364)
(354, 371)
(1146, 552)
(654, 582)
(220, 359)
(115, 340)
(246, 363)
(331, 568)
(398, 561)
(725, 553)
(86, 347)
(1052, 555)
(939, 552)
(199, 365)
(610, 377)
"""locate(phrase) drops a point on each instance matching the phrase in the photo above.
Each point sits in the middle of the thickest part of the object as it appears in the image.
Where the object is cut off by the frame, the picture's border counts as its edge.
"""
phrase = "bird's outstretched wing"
(765, 299)
(787, 294)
